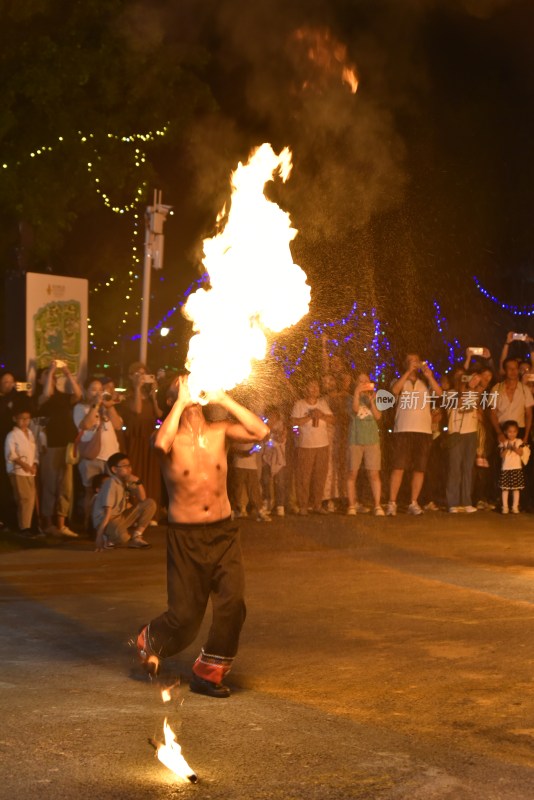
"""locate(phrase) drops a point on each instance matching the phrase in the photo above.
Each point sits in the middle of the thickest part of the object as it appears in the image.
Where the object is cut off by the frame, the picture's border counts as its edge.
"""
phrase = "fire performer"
(203, 547)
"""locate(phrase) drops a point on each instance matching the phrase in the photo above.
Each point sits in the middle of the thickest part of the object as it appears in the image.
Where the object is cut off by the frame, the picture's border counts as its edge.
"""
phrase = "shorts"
(370, 453)
(410, 451)
(89, 467)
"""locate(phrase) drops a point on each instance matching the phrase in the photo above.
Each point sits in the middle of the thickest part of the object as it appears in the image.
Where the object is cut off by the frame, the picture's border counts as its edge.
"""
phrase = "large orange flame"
(254, 284)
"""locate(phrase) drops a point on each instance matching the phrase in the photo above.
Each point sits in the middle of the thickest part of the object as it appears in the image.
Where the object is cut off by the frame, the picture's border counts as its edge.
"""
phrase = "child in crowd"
(273, 474)
(247, 481)
(511, 477)
(22, 458)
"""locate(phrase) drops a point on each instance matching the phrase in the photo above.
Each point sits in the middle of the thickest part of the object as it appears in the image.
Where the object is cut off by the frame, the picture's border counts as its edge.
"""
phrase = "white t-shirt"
(18, 445)
(414, 408)
(109, 441)
(310, 435)
(511, 460)
(242, 459)
(463, 421)
(514, 408)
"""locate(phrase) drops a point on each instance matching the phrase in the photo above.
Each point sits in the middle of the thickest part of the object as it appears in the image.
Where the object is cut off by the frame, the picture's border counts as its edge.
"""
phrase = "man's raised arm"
(169, 427)
(249, 427)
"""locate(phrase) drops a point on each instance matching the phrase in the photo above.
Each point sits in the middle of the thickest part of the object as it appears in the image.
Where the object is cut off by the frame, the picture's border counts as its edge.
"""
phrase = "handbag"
(72, 454)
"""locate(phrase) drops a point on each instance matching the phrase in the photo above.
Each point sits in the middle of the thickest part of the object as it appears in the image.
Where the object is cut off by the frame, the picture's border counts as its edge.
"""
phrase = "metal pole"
(155, 216)
(145, 297)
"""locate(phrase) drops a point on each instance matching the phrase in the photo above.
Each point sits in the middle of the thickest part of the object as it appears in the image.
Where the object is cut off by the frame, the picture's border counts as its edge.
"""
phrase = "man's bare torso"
(195, 471)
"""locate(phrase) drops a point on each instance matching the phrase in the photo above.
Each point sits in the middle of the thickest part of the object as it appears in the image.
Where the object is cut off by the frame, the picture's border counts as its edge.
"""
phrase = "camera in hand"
(148, 379)
(367, 387)
(476, 351)
(22, 386)
(520, 337)
(107, 396)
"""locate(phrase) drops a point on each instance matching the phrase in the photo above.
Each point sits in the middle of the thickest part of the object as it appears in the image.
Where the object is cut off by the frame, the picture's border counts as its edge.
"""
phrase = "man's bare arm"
(249, 427)
(169, 427)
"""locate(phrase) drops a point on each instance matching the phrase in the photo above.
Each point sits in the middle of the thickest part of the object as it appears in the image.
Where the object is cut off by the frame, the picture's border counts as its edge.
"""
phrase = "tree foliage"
(79, 80)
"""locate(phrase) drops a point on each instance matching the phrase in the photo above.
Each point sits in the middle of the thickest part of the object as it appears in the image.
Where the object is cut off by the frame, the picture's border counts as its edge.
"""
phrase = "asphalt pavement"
(381, 658)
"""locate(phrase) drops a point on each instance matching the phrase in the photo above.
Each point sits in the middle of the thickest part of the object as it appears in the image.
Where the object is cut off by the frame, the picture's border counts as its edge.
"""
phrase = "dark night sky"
(402, 192)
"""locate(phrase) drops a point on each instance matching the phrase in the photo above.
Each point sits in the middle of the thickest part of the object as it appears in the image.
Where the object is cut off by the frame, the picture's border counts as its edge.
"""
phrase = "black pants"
(203, 561)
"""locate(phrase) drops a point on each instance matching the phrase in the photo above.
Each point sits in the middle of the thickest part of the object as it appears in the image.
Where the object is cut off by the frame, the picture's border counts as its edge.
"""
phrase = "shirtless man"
(203, 547)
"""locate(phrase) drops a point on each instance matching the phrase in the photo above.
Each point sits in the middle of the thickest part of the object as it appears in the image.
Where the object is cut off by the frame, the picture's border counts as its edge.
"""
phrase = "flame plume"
(254, 284)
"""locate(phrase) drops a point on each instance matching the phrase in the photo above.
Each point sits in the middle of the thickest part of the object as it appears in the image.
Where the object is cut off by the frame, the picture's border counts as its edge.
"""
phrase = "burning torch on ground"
(169, 752)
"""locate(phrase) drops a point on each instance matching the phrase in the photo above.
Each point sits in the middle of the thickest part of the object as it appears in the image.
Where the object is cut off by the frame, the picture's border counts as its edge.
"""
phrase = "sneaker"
(391, 509)
(379, 511)
(470, 509)
(280, 511)
(431, 506)
(28, 533)
(65, 531)
(149, 659)
(515, 510)
(153, 523)
(52, 530)
(351, 511)
(241, 514)
(454, 510)
(202, 686)
(361, 509)
(138, 542)
(263, 516)
(415, 509)
(330, 507)
(504, 510)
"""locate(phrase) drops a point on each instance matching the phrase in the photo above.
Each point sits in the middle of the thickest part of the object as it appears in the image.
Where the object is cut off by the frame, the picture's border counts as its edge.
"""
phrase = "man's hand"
(425, 369)
(216, 396)
(99, 541)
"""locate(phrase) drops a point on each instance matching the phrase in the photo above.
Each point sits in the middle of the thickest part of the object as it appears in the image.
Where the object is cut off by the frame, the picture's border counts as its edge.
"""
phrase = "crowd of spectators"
(459, 442)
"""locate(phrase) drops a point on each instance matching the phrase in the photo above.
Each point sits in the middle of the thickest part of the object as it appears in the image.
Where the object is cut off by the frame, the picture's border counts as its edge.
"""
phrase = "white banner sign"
(56, 322)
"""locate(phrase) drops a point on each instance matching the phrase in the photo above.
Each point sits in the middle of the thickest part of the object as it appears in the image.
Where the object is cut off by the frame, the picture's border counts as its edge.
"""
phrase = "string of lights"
(139, 159)
(454, 349)
(204, 278)
(515, 310)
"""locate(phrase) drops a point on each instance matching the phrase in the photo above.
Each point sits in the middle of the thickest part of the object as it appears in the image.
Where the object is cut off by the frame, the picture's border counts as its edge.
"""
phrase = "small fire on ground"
(170, 754)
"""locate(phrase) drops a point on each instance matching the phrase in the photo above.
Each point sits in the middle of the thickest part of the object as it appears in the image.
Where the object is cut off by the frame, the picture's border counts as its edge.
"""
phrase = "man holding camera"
(97, 420)
(514, 401)
(416, 392)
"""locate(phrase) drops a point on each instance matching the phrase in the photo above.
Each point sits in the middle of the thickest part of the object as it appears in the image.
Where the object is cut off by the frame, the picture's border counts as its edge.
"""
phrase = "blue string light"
(194, 285)
(516, 311)
(454, 349)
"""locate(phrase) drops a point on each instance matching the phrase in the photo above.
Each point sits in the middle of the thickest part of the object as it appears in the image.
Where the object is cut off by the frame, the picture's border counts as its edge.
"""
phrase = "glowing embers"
(254, 284)
(328, 56)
